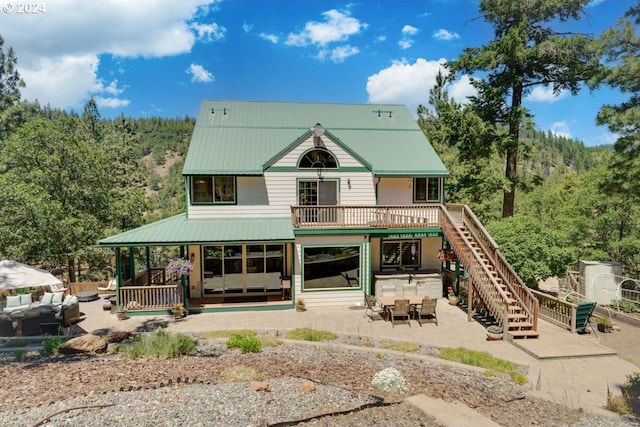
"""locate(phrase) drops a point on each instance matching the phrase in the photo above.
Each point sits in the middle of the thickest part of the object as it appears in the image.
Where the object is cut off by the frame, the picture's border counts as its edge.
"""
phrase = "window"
(426, 189)
(397, 254)
(230, 269)
(213, 189)
(331, 267)
(318, 159)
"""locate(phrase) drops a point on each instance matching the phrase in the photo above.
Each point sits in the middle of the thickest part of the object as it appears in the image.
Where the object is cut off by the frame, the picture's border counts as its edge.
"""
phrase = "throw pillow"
(13, 300)
(47, 298)
(25, 299)
(57, 297)
(67, 301)
(74, 300)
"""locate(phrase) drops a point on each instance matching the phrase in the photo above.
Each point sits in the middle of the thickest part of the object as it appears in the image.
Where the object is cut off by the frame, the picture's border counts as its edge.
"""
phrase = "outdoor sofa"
(17, 302)
(65, 308)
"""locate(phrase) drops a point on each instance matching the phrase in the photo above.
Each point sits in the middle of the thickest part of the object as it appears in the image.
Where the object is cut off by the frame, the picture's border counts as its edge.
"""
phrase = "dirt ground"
(625, 339)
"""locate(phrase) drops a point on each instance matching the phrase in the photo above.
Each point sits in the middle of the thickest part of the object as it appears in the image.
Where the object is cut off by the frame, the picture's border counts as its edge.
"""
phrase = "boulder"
(83, 345)
(259, 386)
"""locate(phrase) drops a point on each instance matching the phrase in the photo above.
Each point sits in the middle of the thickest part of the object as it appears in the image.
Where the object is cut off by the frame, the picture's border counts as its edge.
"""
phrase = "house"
(313, 201)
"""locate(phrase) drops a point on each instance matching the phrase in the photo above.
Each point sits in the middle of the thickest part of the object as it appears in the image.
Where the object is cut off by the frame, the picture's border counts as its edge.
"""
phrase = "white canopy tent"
(14, 275)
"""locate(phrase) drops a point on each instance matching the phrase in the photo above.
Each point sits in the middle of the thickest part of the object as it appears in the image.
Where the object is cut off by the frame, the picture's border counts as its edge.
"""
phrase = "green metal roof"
(241, 137)
(179, 229)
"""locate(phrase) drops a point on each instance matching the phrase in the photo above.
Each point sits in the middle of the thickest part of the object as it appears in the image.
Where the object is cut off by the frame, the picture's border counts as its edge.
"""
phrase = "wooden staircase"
(493, 285)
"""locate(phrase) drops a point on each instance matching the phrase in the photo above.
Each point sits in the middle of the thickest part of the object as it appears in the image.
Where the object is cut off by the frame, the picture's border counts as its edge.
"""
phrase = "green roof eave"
(180, 230)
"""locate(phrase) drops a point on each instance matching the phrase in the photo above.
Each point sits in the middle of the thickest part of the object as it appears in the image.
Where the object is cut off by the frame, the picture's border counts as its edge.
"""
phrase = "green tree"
(64, 183)
(535, 251)
(525, 52)
(621, 45)
(10, 81)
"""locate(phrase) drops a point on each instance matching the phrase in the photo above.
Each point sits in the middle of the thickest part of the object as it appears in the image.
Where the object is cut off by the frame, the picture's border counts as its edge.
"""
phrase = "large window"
(331, 267)
(233, 269)
(318, 159)
(213, 189)
(397, 254)
(426, 189)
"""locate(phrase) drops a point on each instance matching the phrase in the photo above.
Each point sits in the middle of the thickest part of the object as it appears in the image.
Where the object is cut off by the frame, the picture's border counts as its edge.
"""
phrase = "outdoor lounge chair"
(111, 281)
(373, 310)
(400, 309)
(426, 310)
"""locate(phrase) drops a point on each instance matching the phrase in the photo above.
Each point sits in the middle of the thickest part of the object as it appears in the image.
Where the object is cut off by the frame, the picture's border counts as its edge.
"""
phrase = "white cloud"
(111, 102)
(443, 34)
(269, 37)
(340, 53)
(58, 57)
(199, 74)
(545, 94)
(338, 27)
(407, 41)
(409, 84)
(246, 27)
(209, 32)
(381, 39)
(409, 30)
(561, 129)
(461, 89)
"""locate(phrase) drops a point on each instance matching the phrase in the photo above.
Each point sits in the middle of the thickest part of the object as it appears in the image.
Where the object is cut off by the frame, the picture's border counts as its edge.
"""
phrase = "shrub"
(50, 345)
(161, 343)
(389, 380)
(246, 343)
(20, 354)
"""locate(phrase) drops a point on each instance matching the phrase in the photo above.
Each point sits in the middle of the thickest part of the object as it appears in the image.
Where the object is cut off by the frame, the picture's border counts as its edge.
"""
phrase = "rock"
(307, 386)
(84, 344)
(260, 386)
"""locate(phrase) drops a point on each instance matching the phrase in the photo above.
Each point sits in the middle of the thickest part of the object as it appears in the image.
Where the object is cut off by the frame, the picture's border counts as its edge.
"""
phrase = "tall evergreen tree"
(526, 52)
(622, 48)
(10, 81)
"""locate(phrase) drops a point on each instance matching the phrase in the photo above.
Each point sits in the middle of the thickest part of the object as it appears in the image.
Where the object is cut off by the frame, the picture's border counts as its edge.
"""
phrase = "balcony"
(408, 216)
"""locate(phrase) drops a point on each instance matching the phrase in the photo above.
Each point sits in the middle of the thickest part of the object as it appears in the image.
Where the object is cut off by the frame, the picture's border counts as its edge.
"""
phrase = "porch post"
(132, 267)
(183, 281)
(456, 282)
(118, 275)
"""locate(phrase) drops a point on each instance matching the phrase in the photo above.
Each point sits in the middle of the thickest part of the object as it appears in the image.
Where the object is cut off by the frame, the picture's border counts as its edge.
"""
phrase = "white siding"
(395, 191)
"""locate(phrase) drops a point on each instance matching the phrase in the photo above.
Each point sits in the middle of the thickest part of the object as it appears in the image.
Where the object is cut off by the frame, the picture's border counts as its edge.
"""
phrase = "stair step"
(516, 316)
(524, 334)
(519, 326)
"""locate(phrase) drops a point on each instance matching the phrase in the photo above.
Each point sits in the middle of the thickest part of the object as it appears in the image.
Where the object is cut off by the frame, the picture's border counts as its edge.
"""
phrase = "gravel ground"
(213, 388)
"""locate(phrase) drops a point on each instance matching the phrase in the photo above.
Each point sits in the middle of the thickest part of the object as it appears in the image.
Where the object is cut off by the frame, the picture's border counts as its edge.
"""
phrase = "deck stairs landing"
(492, 285)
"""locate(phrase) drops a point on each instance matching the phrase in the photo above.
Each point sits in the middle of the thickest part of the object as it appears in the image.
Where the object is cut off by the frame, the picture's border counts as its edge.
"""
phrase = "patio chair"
(426, 310)
(373, 310)
(400, 309)
(409, 289)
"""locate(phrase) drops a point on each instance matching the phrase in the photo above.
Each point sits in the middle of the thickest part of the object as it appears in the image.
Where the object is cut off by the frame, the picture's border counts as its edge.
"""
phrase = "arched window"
(318, 159)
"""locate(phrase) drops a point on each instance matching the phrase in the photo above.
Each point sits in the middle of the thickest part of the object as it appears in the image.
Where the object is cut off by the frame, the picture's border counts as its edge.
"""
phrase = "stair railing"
(480, 278)
(510, 278)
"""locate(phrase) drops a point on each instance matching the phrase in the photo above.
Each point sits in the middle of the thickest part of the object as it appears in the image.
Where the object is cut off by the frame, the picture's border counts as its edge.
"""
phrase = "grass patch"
(270, 341)
(20, 354)
(226, 334)
(240, 374)
(307, 334)
(403, 346)
(482, 359)
(161, 343)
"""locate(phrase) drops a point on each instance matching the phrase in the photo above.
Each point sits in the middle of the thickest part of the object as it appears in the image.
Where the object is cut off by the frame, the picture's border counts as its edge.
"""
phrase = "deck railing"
(365, 216)
(557, 310)
(150, 297)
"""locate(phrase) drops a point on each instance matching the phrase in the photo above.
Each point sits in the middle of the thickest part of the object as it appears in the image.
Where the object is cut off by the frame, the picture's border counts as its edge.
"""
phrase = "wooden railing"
(365, 216)
(150, 297)
(556, 310)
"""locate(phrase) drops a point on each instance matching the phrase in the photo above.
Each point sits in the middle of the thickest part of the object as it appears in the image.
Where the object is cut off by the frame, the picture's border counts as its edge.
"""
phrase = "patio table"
(388, 302)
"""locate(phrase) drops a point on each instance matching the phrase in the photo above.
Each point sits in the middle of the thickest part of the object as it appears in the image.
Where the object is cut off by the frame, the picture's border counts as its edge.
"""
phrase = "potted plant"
(494, 333)
(121, 312)
(300, 306)
(179, 311)
(453, 298)
(604, 324)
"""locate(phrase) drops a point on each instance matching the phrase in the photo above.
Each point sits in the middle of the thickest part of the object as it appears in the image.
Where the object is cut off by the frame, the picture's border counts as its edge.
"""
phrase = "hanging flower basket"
(179, 267)
(447, 255)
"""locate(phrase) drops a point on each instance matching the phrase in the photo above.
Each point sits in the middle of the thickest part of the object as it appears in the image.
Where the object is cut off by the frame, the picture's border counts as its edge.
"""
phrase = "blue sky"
(163, 57)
